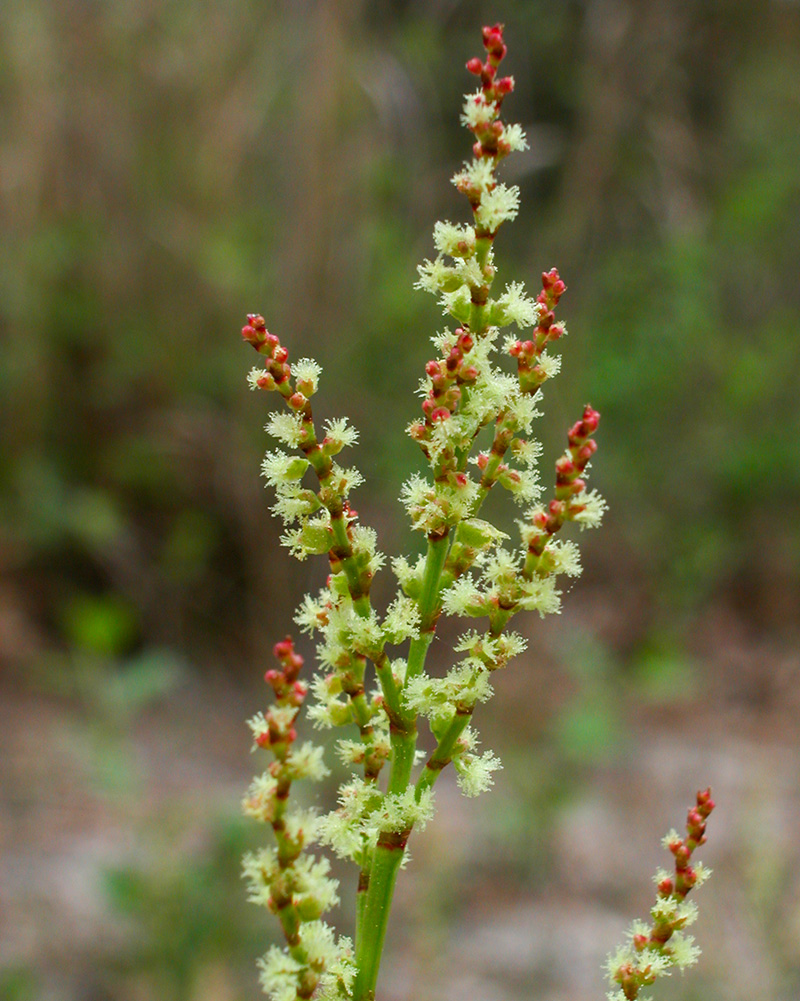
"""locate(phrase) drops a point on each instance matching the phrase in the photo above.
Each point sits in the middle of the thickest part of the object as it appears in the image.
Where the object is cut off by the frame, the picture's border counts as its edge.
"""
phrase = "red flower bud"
(475, 66)
(705, 804)
(565, 467)
(466, 342)
(591, 419)
(284, 648)
(585, 452)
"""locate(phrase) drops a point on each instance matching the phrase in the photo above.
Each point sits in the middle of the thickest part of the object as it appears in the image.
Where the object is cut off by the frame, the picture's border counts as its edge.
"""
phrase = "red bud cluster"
(288, 692)
(527, 353)
(277, 370)
(571, 465)
(494, 90)
(569, 483)
(685, 876)
(447, 375)
(490, 138)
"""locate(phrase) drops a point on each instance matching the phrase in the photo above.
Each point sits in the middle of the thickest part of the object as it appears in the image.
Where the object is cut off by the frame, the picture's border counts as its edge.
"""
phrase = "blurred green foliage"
(161, 177)
(189, 915)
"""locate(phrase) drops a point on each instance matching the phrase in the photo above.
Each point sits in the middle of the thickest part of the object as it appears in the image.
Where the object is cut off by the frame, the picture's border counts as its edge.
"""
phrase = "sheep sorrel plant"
(470, 569)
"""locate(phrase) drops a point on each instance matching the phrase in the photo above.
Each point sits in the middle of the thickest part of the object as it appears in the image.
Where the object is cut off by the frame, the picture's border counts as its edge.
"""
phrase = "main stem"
(374, 912)
(374, 917)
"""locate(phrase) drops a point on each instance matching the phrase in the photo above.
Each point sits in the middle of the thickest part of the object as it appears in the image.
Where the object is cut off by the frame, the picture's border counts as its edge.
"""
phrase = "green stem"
(428, 604)
(389, 850)
(443, 754)
(388, 856)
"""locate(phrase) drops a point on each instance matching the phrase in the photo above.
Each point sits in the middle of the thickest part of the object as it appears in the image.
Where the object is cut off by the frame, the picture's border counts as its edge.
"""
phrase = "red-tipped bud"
(578, 486)
(585, 452)
(695, 819)
(666, 887)
(465, 342)
(565, 468)
(283, 648)
(705, 804)
(280, 355)
(483, 460)
(297, 401)
(504, 86)
(432, 368)
(493, 41)
(682, 855)
(591, 419)
(440, 414)
(475, 66)
(549, 278)
(540, 520)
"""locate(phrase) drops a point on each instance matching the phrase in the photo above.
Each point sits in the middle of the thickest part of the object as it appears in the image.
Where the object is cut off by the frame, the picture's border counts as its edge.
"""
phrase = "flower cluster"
(294, 885)
(480, 397)
(653, 948)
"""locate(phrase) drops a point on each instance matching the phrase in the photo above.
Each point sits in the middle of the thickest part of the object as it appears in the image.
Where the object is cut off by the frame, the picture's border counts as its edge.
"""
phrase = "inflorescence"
(474, 430)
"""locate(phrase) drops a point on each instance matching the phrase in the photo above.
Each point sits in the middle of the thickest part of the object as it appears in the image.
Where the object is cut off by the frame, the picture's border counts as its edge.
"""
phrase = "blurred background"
(167, 167)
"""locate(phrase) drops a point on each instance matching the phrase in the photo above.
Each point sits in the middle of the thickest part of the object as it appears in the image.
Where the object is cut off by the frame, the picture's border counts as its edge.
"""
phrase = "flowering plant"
(474, 432)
